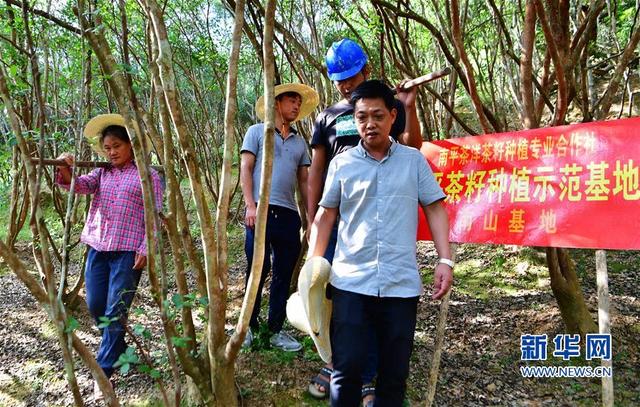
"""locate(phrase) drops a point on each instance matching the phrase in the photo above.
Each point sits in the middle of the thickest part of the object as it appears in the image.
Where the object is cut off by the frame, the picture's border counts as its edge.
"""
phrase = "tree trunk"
(265, 180)
(566, 288)
(564, 280)
(225, 385)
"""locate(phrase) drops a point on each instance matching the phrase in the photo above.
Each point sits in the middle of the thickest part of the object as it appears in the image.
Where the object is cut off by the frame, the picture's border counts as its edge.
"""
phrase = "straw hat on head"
(308, 309)
(93, 130)
(309, 97)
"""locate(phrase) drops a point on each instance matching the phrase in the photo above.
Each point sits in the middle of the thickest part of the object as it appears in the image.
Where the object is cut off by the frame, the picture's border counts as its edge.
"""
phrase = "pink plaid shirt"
(116, 217)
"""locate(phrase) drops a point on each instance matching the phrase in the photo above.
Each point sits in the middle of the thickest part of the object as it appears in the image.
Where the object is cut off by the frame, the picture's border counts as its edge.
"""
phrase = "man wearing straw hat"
(293, 102)
(375, 283)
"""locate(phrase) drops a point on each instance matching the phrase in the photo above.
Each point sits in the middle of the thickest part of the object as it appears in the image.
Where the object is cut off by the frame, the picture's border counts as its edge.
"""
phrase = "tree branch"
(437, 34)
(473, 92)
(15, 45)
(526, 66)
(46, 15)
(605, 102)
(562, 100)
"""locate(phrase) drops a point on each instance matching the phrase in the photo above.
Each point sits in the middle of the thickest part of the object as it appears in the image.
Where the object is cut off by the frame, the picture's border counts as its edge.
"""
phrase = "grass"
(235, 236)
(309, 350)
(48, 331)
(151, 402)
(5, 202)
(37, 373)
(273, 355)
(13, 391)
(52, 220)
(506, 272)
(480, 274)
(4, 270)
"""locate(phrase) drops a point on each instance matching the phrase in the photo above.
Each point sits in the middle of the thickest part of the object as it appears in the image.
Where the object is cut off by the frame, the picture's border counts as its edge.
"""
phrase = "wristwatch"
(448, 262)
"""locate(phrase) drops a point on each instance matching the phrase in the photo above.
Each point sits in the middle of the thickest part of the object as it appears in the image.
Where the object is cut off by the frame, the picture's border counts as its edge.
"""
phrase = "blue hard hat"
(344, 59)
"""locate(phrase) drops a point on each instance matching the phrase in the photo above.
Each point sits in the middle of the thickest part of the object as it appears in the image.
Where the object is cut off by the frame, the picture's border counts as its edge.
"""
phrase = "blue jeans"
(282, 247)
(369, 371)
(111, 284)
(393, 320)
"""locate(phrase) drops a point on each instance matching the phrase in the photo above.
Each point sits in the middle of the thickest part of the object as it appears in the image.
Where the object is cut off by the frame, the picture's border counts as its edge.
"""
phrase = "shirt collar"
(361, 150)
(292, 131)
(130, 164)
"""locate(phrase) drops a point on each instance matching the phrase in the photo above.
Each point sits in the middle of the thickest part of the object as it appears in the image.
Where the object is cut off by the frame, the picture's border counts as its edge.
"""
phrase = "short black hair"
(116, 131)
(288, 94)
(373, 89)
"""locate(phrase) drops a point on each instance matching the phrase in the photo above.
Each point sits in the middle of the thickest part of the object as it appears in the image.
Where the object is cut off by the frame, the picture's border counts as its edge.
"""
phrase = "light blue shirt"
(378, 208)
(289, 154)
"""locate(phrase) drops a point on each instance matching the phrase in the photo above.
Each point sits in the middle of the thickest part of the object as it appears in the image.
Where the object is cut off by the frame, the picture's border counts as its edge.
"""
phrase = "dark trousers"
(354, 316)
(282, 247)
(369, 371)
(111, 284)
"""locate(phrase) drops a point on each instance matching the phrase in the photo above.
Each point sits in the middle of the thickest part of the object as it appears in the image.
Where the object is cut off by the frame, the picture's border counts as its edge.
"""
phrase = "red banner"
(567, 186)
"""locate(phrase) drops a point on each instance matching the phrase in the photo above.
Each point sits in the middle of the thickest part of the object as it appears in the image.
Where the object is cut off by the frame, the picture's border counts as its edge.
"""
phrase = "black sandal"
(318, 380)
(368, 389)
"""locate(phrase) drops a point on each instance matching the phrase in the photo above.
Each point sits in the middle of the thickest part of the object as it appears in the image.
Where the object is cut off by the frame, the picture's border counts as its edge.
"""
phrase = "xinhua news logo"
(567, 347)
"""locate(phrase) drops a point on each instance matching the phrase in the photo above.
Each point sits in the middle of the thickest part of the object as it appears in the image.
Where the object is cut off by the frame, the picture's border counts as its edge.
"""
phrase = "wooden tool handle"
(426, 78)
(83, 164)
(63, 163)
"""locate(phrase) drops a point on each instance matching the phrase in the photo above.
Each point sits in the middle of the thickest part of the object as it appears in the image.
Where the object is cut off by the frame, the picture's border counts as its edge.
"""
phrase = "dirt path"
(500, 294)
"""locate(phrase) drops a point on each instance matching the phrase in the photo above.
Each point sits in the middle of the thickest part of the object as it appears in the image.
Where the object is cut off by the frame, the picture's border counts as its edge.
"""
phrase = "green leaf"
(130, 352)
(124, 369)
(180, 342)
(138, 329)
(105, 321)
(71, 325)
(127, 359)
(146, 334)
(204, 301)
(177, 300)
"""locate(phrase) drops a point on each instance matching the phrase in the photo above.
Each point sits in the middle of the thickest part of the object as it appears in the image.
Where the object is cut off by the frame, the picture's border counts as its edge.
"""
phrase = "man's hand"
(250, 216)
(408, 96)
(411, 136)
(442, 280)
(140, 262)
(310, 220)
(307, 233)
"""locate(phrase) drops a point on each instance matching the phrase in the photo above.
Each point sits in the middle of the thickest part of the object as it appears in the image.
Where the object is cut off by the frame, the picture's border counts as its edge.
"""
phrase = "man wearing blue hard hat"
(335, 132)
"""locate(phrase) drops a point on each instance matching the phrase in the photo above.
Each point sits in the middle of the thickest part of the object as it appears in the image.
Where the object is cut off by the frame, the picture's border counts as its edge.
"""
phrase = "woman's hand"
(68, 158)
(140, 262)
(65, 170)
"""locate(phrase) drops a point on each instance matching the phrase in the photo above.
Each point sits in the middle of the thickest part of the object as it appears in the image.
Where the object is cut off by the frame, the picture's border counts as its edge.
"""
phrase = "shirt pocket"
(130, 200)
(401, 183)
(357, 190)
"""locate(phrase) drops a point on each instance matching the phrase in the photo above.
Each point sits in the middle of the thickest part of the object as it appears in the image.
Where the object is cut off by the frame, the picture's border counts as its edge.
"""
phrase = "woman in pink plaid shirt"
(114, 232)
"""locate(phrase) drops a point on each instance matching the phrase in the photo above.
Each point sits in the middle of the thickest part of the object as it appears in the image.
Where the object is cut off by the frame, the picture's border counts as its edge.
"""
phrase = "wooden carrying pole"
(82, 164)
